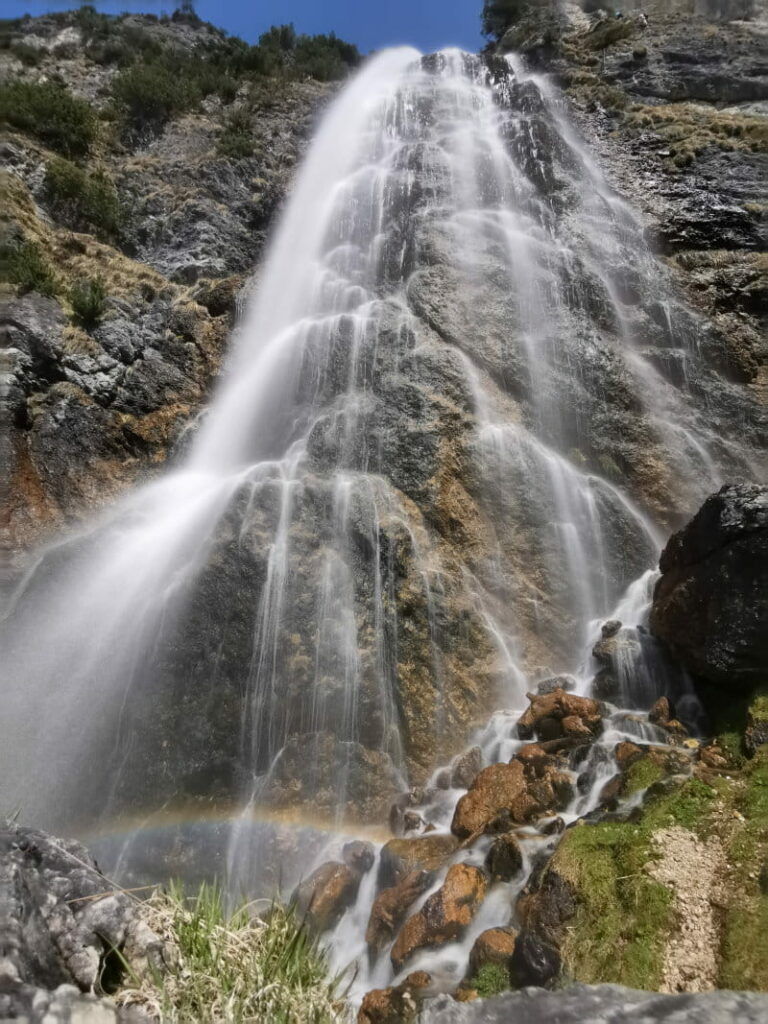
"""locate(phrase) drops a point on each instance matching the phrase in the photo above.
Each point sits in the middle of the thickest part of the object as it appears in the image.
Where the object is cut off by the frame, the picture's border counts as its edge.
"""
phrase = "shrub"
(23, 265)
(236, 140)
(29, 55)
(50, 113)
(148, 95)
(490, 980)
(85, 202)
(89, 298)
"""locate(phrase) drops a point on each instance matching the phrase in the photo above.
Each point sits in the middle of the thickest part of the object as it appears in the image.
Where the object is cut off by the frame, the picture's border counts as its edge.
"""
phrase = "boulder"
(359, 856)
(555, 683)
(401, 856)
(560, 714)
(398, 1004)
(533, 961)
(505, 858)
(493, 946)
(322, 898)
(466, 768)
(599, 1004)
(710, 605)
(391, 906)
(446, 914)
(661, 712)
(61, 922)
(529, 787)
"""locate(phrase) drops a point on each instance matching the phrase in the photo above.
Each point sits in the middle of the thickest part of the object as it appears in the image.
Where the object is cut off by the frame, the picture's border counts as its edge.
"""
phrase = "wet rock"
(398, 1004)
(599, 1004)
(391, 907)
(611, 792)
(567, 683)
(446, 914)
(398, 810)
(401, 856)
(559, 714)
(661, 712)
(711, 603)
(506, 794)
(413, 822)
(553, 827)
(466, 768)
(547, 903)
(605, 685)
(493, 946)
(504, 859)
(322, 898)
(61, 921)
(533, 961)
(359, 856)
(626, 753)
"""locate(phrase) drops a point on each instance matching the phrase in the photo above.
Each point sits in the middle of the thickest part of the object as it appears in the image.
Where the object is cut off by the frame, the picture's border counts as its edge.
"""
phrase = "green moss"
(623, 917)
(490, 980)
(758, 709)
(688, 807)
(744, 952)
(641, 775)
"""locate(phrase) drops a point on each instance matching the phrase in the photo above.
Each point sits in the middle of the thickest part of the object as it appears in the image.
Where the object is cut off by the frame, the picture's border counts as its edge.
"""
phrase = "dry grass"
(234, 968)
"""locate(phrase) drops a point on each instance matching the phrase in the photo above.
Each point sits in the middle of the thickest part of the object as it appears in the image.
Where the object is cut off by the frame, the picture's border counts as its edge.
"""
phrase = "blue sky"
(371, 24)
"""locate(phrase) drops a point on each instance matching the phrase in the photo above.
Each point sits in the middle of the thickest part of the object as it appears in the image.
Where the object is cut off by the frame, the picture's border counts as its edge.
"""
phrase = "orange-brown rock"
(504, 795)
(322, 898)
(547, 713)
(660, 712)
(626, 754)
(446, 914)
(505, 858)
(712, 756)
(401, 856)
(493, 946)
(396, 1005)
(391, 906)
(466, 768)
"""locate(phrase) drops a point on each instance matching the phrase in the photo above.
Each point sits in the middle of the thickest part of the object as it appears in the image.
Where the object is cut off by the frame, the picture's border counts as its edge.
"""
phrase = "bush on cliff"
(89, 300)
(50, 113)
(22, 263)
(84, 202)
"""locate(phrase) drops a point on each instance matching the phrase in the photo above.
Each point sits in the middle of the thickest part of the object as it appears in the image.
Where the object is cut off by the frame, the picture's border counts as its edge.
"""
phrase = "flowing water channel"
(458, 420)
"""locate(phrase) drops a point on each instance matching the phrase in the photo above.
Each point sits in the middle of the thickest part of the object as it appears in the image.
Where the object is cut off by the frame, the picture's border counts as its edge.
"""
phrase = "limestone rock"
(559, 714)
(401, 856)
(398, 1004)
(445, 915)
(466, 768)
(711, 603)
(322, 898)
(493, 946)
(391, 907)
(505, 858)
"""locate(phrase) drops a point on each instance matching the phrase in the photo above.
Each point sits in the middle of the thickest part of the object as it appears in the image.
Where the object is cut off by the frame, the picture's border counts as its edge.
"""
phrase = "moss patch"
(641, 775)
(490, 980)
(744, 952)
(623, 917)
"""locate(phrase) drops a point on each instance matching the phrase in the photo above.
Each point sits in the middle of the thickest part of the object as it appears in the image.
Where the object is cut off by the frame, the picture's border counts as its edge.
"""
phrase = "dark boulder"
(711, 603)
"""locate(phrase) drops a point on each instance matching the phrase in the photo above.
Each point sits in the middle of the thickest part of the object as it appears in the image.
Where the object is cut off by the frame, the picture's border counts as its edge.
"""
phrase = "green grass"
(744, 951)
(236, 140)
(490, 980)
(623, 917)
(23, 265)
(641, 775)
(50, 113)
(232, 967)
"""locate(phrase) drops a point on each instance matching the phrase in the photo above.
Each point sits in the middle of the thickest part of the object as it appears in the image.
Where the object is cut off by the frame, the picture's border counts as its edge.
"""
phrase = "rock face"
(445, 916)
(599, 1004)
(711, 603)
(391, 907)
(62, 924)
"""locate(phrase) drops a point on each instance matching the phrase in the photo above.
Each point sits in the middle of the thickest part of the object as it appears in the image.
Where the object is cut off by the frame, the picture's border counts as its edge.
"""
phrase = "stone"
(661, 712)
(398, 1004)
(445, 916)
(710, 605)
(322, 898)
(567, 683)
(466, 768)
(391, 907)
(401, 856)
(555, 713)
(359, 856)
(493, 946)
(61, 921)
(533, 961)
(504, 859)
(626, 753)
(599, 1004)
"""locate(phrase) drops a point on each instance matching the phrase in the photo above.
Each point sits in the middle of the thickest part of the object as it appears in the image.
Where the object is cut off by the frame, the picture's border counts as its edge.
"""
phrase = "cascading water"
(446, 443)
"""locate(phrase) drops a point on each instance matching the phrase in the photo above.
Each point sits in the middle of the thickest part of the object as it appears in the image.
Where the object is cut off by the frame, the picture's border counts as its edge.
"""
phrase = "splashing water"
(443, 448)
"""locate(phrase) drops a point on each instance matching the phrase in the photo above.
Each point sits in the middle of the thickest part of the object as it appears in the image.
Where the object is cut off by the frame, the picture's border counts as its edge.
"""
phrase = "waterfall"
(446, 442)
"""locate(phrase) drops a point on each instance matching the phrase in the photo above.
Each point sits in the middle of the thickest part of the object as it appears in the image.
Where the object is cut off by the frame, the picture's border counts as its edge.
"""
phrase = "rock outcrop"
(65, 930)
(711, 603)
(599, 1004)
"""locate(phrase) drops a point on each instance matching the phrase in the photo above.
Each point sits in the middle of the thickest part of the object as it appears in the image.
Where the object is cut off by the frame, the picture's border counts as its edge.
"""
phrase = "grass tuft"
(229, 968)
